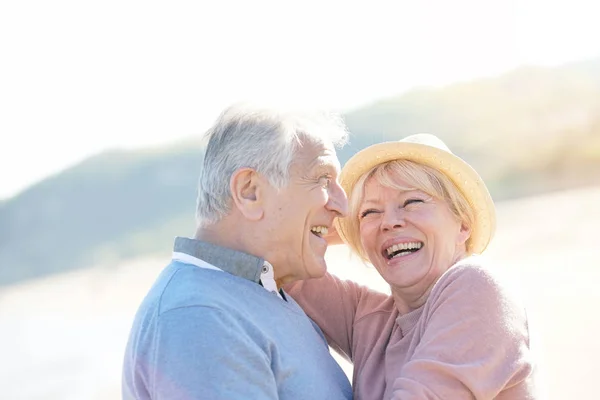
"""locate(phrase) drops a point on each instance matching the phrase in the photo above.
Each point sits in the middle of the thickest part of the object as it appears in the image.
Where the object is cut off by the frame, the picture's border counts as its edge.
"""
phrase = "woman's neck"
(410, 298)
(407, 300)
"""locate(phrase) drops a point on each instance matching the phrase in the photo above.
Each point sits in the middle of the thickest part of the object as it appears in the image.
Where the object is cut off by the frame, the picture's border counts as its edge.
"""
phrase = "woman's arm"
(332, 304)
(474, 343)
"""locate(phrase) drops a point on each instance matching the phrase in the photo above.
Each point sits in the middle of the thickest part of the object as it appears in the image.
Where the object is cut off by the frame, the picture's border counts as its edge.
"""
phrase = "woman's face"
(410, 237)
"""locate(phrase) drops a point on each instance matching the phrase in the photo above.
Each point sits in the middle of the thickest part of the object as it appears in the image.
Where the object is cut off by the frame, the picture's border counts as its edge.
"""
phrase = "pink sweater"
(470, 340)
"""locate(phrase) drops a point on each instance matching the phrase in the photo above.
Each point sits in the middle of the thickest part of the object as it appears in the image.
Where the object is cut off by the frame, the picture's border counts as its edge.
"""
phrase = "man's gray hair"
(264, 139)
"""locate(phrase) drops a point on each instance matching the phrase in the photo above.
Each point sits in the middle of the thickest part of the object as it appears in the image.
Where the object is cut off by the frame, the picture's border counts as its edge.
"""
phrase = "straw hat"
(431, 151)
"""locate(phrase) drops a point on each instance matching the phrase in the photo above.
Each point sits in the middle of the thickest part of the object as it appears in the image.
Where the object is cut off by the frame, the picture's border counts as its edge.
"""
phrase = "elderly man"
(216, 324)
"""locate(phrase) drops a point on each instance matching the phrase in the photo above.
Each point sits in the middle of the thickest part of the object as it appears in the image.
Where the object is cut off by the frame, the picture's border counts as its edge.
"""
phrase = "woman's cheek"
(367, 233)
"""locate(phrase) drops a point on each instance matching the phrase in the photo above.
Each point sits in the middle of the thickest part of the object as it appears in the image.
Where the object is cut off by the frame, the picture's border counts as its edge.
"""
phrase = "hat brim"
(466, 179)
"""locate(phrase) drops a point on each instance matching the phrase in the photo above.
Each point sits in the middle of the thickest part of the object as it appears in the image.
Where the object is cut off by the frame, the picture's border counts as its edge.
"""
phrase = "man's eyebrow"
(324, 163)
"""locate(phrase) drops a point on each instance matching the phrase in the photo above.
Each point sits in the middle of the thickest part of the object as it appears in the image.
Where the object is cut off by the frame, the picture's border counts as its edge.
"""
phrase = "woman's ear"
(463, 234)
(246, 192)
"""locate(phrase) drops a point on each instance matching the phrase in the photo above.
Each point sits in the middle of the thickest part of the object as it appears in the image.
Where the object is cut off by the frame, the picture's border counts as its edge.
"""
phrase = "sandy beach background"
(63, 337)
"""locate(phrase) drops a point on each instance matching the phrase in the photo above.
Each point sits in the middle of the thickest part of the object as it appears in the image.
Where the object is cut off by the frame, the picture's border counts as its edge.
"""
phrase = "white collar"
(267, 277)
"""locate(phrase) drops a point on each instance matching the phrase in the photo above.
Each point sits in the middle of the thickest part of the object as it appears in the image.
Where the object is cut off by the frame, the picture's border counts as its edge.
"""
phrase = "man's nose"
(338, 201)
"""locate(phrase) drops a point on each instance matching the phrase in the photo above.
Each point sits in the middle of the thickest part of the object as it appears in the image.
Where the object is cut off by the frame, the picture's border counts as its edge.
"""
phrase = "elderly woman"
(449, 329)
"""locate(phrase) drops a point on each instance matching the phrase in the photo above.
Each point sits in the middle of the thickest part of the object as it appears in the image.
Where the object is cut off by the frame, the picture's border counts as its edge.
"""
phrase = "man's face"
(299, 214)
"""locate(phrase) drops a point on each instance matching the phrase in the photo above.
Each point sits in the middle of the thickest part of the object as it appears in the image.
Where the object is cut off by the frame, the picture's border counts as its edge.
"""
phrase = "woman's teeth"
(319, 230)
(402, 249)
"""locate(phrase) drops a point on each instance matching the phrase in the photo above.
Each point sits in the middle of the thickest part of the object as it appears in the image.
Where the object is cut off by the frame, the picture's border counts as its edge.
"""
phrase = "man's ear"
(246, 190)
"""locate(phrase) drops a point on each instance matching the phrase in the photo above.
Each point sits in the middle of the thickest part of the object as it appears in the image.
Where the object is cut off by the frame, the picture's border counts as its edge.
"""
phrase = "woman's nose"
(393, 219)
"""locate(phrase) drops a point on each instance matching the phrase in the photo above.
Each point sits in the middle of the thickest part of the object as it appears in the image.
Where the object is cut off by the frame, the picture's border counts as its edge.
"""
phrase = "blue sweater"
(206, 334)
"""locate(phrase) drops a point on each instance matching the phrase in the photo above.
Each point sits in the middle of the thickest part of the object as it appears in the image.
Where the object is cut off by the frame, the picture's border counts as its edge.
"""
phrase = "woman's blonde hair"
(417, 177)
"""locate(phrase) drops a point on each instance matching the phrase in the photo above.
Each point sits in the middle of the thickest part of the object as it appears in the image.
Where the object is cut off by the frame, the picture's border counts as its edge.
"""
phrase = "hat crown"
(427, 139)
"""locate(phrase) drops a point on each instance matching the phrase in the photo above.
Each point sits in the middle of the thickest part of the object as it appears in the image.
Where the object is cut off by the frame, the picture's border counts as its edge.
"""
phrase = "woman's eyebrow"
(370, 201)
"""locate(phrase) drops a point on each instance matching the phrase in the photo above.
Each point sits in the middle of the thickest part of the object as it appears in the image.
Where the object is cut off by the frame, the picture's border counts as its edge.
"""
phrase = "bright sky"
(78, 77)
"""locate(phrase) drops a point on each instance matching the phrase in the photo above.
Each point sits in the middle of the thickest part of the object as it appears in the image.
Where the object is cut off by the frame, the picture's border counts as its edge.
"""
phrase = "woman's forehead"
(389, 180)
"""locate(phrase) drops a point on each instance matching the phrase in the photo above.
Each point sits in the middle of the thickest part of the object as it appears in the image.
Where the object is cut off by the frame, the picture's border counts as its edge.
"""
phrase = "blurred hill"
(525, 132)
(110, 207)
(530, 131)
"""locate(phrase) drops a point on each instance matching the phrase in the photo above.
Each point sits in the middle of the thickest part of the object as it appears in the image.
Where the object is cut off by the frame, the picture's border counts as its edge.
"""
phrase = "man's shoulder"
(190, 286)
(183, 290)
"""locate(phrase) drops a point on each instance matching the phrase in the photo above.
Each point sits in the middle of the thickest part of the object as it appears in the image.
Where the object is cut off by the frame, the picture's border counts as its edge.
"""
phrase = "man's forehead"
(316, 161)
(321, 155)
(327, 160)
(316, 152)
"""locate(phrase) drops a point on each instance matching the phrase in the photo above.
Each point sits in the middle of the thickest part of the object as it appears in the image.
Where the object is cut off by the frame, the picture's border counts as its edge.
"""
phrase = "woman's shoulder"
(474, 268)
(482, 297)
(478, 277)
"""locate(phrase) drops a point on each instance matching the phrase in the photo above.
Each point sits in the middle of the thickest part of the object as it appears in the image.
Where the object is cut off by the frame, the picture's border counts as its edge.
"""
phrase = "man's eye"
(325, 180)
(411, 201)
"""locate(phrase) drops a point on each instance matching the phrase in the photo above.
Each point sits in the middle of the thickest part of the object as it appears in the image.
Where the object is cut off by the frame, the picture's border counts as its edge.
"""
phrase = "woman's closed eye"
(407, 202)
(367, 212)
(413, 201)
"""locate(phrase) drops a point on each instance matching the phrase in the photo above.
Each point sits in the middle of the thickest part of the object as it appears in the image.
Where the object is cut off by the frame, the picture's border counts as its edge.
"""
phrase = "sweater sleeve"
(332, 303)
(202, 353)
(474, 343)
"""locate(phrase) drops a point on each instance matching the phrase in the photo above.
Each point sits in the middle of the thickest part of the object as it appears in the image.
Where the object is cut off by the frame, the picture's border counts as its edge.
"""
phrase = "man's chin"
(317, 269)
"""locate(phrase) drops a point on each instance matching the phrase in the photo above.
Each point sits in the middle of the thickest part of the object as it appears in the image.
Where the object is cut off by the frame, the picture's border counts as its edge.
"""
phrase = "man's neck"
(230, 234)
